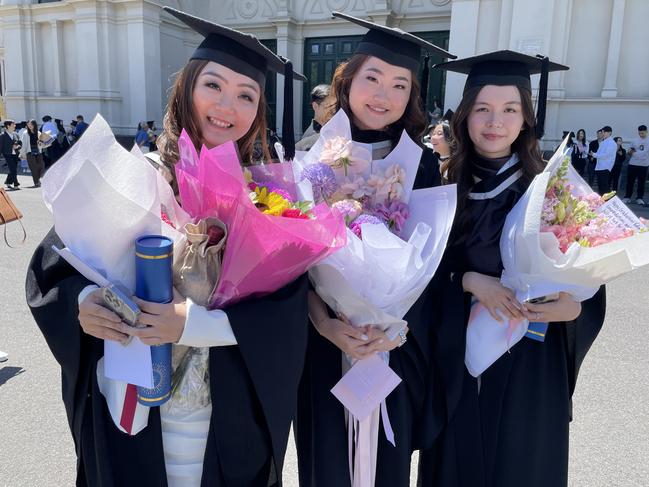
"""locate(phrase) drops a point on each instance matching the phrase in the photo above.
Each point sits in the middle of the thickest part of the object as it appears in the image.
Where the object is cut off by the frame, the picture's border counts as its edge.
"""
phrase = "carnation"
(394, 214)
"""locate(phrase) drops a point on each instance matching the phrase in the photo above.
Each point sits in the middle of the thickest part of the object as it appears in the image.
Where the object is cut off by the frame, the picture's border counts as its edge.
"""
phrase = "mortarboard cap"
(503, 68)
(392, 45)
(244, 54)
(397, 47)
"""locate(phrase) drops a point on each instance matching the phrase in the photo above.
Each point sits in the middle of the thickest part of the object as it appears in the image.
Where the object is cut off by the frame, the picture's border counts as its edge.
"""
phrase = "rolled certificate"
(154, 282)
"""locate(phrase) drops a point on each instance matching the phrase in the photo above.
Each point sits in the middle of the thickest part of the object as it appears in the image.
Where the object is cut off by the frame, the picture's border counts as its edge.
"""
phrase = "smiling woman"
(379, 91)
(236, 433)
(508, 427)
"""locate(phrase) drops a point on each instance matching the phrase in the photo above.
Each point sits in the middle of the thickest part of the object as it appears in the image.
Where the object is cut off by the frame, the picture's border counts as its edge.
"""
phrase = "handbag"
(9, 213)
(196, 275)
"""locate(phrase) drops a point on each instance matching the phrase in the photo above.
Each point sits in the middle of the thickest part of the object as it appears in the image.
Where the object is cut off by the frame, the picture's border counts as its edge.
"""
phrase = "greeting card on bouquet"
(365, 386)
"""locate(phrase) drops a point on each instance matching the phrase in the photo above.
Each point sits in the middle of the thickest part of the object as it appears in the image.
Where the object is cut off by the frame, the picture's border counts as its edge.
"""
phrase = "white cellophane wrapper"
(534, 266)
(377, 279)
(102, 198)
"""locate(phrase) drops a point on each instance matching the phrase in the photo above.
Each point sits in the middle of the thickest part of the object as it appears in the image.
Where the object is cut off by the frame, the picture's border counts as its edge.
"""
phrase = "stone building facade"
(118, 57)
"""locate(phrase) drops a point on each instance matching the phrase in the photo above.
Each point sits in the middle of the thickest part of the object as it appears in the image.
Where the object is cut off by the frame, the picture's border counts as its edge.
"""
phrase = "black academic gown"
(253, 385)
(513, 433)
(415, 413)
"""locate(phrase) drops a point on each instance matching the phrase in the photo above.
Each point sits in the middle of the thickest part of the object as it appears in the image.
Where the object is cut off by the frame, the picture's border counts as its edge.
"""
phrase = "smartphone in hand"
(121, 304)
(544, 299)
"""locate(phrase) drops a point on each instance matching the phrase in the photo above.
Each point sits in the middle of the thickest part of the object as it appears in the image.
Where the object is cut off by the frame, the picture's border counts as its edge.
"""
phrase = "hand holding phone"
(121, 304)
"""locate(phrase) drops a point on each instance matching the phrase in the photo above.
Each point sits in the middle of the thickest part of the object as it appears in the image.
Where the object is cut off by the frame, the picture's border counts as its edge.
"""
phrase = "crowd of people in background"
(33, 148)
(603, 159)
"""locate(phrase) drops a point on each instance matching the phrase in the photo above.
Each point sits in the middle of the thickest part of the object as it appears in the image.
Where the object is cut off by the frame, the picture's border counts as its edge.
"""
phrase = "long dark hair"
(32, 123)
(413, 120)
(583, 132)
(458, 166)
(180, 115)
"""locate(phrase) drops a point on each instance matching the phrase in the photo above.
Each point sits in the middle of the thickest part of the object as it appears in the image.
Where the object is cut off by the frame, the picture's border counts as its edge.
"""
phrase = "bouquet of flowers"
(273, 234)
(395, 241)
(102, 198)
(560, 236)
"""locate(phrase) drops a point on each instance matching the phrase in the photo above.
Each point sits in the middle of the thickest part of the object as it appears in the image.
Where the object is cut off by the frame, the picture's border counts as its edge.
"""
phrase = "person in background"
(441, 141)
(32, 150)
(580, 152)
(9, 147)
(620, 157)
(49, 153)
(151, 128)
(637, 168)
(318, 95)
(436, 114)
(605, 157)
(80, 127)
(593, 146)
(142, 137)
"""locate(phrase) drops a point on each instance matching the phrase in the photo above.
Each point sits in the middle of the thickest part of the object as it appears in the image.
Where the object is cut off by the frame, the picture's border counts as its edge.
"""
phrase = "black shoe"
(16, 185)
(37, 185)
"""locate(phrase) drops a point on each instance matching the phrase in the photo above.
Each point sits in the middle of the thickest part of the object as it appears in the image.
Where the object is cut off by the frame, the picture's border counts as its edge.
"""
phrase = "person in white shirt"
(638, 164)
(605, 156)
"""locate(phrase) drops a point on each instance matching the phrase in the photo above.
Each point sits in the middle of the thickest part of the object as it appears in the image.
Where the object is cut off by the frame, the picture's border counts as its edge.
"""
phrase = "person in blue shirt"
(81, 127)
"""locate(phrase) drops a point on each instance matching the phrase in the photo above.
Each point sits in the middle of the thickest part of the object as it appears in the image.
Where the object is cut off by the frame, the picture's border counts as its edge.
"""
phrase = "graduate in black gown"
(379, 91)
(217, 97)
(509, 427)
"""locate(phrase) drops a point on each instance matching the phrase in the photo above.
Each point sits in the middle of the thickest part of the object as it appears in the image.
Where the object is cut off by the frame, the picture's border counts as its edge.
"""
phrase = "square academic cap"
(503, 68)
(244, 54)
(392, 45)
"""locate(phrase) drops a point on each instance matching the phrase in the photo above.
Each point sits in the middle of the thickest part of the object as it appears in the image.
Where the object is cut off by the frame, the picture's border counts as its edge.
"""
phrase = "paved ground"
(610, 434)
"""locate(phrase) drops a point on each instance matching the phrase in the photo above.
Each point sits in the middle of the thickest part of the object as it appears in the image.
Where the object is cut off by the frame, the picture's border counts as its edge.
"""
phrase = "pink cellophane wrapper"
(263, 252)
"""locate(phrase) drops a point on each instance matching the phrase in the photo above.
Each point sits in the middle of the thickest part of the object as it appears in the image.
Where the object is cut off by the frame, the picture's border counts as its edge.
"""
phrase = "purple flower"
(349, 209)
(394, 214)
(322, 179)
(364, 218)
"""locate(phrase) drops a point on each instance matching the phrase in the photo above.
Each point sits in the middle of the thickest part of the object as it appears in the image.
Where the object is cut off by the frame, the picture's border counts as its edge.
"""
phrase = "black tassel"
(424, 84)
(288, 132)
(542, 100)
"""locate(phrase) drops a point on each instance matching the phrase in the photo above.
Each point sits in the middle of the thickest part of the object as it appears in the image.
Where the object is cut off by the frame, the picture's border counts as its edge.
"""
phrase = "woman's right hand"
(100, 322)
(493, 296)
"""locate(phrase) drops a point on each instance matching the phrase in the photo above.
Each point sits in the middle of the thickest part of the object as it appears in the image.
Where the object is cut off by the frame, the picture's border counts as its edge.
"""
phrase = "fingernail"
(364, 337)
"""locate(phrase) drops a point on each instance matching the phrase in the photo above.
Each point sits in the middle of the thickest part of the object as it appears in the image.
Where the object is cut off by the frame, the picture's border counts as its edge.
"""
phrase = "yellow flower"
(270, 203)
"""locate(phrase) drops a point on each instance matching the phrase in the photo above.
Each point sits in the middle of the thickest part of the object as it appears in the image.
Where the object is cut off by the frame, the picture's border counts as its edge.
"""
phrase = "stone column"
(291, 47)
(20, 63)
(614, 46)
(143, 59)
(462, 43)
(57, 72)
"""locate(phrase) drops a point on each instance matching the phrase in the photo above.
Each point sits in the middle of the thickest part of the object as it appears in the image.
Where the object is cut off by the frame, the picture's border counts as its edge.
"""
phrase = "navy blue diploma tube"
(154, 282)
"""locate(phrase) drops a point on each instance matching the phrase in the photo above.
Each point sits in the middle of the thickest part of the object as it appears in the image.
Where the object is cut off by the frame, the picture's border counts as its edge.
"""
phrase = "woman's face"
(438, 140)
(495, 120)
(379, 94)
(32, 126)
(225, 104)
(581, 135)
